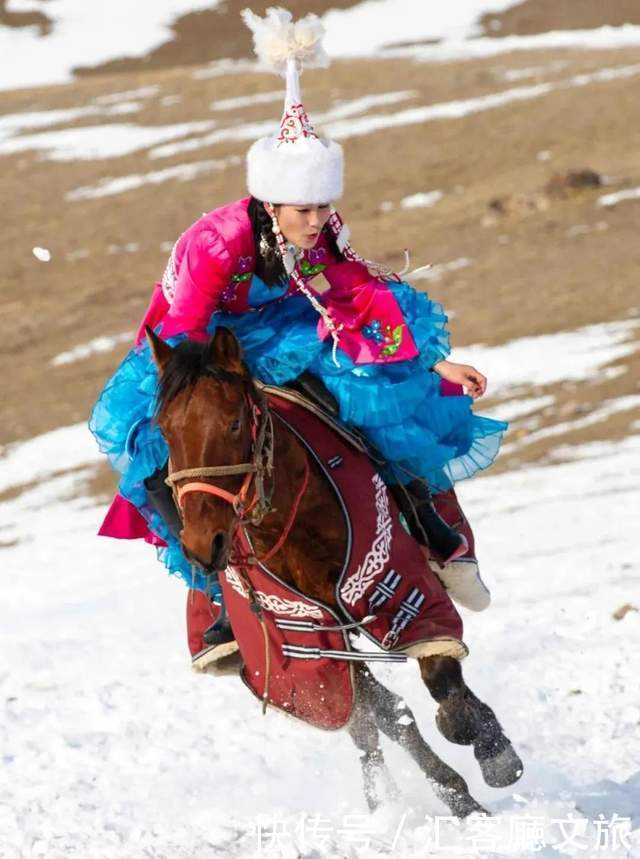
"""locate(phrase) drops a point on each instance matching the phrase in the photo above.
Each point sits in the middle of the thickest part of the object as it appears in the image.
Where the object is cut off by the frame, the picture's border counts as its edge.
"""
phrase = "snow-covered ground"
(111, 747)
(551, 358)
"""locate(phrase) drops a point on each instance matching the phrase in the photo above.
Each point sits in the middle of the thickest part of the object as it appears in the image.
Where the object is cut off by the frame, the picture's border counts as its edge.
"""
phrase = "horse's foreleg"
(362, 729)
(464, 719)
(396, 721)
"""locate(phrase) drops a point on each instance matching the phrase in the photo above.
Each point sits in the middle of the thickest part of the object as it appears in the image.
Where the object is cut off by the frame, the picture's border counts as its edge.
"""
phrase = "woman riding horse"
(377, 346)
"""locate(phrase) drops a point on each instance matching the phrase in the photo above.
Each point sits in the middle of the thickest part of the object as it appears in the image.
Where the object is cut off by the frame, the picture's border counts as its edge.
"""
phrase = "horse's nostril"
(219, 548)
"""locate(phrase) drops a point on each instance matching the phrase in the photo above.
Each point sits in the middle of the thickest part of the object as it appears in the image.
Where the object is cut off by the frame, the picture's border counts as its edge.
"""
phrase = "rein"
(260, 467)
(257, 471)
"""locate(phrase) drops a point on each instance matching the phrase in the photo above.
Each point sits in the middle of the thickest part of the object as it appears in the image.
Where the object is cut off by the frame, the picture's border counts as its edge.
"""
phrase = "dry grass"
(540, 16)
(528, 274)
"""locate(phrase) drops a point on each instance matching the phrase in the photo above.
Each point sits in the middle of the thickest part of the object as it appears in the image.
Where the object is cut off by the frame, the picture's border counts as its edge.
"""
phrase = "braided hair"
(269, 265)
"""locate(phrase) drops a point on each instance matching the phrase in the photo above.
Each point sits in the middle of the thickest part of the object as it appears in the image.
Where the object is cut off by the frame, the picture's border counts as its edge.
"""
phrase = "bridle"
(259, 471)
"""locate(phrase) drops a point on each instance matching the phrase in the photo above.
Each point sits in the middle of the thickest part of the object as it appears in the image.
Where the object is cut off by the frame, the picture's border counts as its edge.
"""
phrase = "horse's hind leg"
(395, 719)
(378, 784)
(464, 719)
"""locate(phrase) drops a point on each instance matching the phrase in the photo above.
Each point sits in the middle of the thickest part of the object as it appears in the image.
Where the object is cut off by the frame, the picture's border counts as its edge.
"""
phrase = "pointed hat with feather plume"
(296, 166)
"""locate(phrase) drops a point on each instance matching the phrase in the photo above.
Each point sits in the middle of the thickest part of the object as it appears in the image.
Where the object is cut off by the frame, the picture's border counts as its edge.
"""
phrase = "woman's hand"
(462, 374)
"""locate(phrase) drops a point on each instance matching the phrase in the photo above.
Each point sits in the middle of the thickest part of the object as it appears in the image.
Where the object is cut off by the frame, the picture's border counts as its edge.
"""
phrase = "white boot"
(463, 583)
(218, 659)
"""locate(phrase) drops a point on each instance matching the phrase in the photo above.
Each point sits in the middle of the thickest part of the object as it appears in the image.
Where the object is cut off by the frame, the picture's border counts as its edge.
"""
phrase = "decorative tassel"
(375, 269)
(419, 269)
(289, 262)
(342, 239)
(298, 279)
(278, 39)
(407, 263)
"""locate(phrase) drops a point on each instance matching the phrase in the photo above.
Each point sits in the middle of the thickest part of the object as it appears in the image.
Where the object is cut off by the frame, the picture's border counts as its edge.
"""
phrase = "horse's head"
(205, 403)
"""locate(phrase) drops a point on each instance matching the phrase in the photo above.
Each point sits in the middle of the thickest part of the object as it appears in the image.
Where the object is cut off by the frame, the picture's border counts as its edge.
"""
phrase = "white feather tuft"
(277, 39)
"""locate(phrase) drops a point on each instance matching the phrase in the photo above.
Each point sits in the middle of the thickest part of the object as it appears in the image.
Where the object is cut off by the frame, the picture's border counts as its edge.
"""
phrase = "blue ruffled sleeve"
(427, 322)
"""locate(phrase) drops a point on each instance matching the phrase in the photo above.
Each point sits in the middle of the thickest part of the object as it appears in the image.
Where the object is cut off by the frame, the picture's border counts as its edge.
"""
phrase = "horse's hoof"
(461, 804)
(457, 724)
(380, 789)
(502, 769)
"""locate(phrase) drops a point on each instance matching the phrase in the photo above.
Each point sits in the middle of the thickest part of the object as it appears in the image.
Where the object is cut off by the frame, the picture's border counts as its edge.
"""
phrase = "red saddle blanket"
(300, 658)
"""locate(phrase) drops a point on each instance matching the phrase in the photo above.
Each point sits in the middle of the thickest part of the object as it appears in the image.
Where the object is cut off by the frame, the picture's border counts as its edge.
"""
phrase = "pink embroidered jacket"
(211, 268)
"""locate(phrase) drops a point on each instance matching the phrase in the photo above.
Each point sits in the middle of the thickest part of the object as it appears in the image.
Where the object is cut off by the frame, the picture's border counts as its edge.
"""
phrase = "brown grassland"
(531, 271)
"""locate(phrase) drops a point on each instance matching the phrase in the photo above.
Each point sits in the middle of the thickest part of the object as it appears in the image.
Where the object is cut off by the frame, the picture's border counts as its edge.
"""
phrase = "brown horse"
(205, 412)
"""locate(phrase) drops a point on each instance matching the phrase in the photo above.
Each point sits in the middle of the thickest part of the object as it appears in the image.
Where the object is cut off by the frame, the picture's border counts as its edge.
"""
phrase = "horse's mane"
(189, 361)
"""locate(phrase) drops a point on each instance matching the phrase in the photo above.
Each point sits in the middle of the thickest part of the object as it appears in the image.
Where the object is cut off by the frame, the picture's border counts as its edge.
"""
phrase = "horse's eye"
(235, 426)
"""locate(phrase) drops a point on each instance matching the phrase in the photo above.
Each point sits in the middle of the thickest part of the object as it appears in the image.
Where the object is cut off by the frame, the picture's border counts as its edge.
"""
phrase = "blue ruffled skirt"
(398, 405)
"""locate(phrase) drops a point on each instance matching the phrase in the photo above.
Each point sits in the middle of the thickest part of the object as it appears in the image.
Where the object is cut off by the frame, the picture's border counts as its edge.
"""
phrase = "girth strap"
(297, 651)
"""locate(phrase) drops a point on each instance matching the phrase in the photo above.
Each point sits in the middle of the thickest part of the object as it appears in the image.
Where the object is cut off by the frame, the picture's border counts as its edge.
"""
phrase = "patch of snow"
(96, 142)
(366, 28)
(421, 200)
(14, 122)
(120, 184)
(47, 454)
(619, 197)
(246, 100)
(551, 358)
(513, 409)
(511, 75)
(86, 34)
(93, 347)
(225, 67)
(598, 415)
(42, 254)
(170, 100)
(598, 38)
(128, 95)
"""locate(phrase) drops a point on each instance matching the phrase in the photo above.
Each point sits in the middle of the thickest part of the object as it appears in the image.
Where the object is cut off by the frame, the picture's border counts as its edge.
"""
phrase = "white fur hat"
(296, 166)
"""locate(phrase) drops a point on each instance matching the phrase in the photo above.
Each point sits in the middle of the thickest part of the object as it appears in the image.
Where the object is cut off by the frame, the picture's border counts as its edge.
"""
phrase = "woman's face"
(301, 225)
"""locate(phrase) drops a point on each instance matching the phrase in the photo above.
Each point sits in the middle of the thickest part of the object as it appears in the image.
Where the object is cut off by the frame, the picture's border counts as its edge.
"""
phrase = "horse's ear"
(226, 352)
(160, 350)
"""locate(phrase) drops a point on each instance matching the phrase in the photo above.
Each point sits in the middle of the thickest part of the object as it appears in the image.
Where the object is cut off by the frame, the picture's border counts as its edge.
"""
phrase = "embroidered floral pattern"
(170, 276)
(295, 124)
(229, 292)
(315, 262)
(389, 338)
(393, 339)
(309, 270)
(373, 332)
(245, 270)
